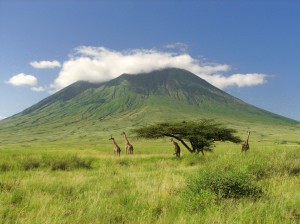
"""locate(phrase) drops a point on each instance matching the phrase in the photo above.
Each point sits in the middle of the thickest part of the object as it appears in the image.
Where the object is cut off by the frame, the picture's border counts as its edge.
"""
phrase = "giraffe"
(117, 149)
(245, 145)
(128, 146)
(176, 147)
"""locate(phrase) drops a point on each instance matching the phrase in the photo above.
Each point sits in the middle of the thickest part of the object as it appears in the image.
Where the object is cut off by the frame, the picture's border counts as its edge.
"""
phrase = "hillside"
(131, 100)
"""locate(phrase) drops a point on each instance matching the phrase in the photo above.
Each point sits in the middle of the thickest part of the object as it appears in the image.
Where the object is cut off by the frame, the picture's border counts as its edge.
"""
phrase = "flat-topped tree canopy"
(200, 135)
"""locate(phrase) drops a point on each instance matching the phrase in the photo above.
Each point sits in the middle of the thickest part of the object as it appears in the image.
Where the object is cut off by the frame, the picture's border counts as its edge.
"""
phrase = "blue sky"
(250, 49)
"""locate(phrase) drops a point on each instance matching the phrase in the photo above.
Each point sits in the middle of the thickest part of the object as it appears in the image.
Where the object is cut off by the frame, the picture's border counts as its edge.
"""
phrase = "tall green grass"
(88, 185)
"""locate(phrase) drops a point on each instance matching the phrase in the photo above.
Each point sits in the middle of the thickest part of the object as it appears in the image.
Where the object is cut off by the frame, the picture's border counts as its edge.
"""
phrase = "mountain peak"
(168, 79)
(162, 75)
(169, 93)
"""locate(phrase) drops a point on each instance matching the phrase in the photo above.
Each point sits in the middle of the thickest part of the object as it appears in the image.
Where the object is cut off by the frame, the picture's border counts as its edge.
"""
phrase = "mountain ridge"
(170, 93)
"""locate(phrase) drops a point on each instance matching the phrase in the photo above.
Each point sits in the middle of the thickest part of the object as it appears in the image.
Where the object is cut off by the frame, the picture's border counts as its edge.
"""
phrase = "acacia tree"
(200, 135)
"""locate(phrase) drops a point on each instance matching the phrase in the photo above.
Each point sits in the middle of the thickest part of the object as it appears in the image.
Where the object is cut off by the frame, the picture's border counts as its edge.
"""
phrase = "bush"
(68, 163)
(5, 167)
(225, 184)
(31, 163)
(81, 163)
(61, 164)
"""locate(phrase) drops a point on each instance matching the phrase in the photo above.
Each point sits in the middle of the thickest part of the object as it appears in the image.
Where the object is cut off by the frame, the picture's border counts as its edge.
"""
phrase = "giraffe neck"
(247, 139)
(126, 139)
(114, 142)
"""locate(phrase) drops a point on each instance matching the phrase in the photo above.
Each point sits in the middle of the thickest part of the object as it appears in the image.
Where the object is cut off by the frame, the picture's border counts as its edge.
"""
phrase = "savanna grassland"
(72, 177)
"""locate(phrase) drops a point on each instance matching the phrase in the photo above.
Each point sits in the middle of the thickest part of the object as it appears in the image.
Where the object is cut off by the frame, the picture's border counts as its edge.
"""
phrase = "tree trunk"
(183, 143)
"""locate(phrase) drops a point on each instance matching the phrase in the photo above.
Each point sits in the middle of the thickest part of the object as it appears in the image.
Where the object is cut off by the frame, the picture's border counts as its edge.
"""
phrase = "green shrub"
(233, 183)
(61, 164)
(31, 163)
(5, 166)
(81, 163)
(68, 163)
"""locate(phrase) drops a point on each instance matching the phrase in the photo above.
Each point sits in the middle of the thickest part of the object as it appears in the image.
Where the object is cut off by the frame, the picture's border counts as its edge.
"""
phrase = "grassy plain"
(72, 177)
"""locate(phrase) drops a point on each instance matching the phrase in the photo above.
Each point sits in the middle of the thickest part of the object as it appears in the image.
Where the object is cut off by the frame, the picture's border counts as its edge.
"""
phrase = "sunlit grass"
(147, 187)
(74, 178)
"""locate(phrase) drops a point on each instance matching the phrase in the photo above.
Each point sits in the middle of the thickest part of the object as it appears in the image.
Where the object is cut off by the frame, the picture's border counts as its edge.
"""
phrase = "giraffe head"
(123, 133)
(111, 138)
(248, 132)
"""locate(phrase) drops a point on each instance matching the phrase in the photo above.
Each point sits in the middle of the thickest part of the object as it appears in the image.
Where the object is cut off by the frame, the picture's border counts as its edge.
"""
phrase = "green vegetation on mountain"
(131, 101)
(171, 90)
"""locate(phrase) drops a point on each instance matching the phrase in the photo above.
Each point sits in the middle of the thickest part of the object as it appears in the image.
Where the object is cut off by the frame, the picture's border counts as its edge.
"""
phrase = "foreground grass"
(52, 185)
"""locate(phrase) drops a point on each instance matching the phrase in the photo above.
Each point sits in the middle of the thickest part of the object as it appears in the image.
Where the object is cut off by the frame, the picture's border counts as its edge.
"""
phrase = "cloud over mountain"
(99, 64)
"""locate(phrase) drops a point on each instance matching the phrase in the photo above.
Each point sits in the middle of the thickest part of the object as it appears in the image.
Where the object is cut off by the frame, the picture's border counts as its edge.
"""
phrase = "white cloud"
(99, 64)
(23, 80)
(240, 80)
(45, 64)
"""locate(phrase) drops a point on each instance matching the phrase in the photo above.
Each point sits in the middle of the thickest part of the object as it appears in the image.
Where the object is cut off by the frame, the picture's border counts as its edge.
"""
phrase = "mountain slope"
(169, 94)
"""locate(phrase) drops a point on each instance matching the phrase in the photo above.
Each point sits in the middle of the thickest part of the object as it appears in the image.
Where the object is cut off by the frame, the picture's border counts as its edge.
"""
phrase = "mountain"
(130, 100)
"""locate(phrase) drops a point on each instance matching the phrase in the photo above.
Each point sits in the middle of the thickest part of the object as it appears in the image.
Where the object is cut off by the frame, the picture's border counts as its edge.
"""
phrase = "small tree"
(200, 135)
